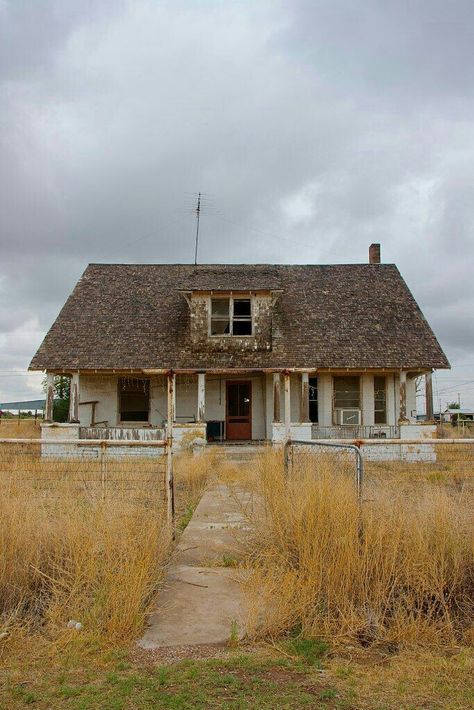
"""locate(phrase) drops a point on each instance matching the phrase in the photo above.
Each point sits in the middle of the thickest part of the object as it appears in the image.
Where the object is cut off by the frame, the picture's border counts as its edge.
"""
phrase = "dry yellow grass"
(20, 428)
(400, 569)
(83, 542)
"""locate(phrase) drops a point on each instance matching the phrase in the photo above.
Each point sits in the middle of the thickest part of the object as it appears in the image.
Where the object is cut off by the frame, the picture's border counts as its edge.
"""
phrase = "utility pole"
(198, 215)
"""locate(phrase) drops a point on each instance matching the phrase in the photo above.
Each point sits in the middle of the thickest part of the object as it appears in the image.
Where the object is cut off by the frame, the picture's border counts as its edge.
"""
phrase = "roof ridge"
(253, 265)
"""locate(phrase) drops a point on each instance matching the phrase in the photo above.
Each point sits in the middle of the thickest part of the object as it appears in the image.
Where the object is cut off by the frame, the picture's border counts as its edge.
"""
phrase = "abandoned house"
(242, 352)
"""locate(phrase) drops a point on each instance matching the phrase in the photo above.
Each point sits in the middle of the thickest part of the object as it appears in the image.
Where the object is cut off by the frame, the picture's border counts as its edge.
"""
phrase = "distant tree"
(454, 405)
(62, 388)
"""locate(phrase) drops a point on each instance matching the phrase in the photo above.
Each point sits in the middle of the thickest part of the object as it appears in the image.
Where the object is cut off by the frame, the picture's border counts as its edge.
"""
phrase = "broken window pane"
(380, 400)
(242, 307)
(134, 396)
(242, 327)
(220, 327)
(220, 318)
(242, 320)
(231, 316)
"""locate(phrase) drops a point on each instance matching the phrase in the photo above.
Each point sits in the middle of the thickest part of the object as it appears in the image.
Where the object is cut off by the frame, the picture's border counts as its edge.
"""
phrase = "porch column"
(48, 412)
(171, 399)
(73, 416)
(201, 417)
(287, 406)
(276, 397)
(403, 397)
(429, 396)
(304, 404)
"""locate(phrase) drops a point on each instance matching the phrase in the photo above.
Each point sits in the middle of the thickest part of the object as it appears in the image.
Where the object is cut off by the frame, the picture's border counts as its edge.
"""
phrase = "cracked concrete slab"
(201, 602)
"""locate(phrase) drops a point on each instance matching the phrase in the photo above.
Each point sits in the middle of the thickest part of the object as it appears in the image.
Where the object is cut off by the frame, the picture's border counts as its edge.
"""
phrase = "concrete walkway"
(201, 600)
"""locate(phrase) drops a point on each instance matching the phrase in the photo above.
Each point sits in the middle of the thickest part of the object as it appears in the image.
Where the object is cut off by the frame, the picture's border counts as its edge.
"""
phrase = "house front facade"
(242, 352)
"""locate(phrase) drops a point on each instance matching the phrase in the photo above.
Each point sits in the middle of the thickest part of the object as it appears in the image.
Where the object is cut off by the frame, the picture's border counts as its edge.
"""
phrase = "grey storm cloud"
(312, 128)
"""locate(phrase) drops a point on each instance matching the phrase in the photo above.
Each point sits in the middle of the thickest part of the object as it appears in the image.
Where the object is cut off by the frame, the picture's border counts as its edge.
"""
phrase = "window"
(380, 400)
(313, 399)
(346, 400)
(231, 316)
(134, 399)
(346, 393)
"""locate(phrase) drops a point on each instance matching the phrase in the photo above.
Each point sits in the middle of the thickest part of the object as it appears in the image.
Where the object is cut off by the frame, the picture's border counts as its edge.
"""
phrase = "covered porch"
(243, 405)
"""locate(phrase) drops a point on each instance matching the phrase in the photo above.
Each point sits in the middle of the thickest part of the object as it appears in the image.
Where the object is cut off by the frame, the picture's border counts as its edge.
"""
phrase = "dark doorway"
(313, 400)
(239, 410)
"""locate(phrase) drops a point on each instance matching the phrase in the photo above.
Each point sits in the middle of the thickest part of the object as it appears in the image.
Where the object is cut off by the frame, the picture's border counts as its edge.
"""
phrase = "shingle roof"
(133, 316)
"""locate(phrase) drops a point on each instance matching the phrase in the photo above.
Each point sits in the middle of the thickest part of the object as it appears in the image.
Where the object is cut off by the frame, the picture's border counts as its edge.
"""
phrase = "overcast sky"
(313, 128)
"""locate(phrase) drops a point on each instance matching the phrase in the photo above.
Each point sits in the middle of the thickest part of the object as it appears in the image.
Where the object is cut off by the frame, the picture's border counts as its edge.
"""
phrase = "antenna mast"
(198, 215)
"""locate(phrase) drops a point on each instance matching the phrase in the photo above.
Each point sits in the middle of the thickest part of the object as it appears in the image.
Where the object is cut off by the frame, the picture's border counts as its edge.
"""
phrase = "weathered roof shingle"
(133, 316)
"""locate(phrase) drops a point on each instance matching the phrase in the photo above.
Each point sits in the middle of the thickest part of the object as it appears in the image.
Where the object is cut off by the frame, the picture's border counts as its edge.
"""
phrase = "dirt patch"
(173, 654)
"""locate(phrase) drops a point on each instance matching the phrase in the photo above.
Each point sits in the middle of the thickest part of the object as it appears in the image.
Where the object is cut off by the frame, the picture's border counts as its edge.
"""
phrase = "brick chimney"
(374, 254)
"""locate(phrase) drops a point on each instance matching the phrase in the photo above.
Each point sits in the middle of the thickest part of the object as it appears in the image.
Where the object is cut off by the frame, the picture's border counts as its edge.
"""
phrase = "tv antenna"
(198, 215)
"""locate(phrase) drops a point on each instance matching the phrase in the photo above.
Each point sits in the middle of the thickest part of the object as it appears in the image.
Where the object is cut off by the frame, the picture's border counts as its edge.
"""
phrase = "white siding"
(325, 399)
(367, 399)
(104, 390)
(411, 398)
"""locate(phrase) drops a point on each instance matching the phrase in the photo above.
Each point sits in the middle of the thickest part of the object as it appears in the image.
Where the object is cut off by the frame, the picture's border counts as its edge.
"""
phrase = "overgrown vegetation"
(350, 616)
(81, 558)
(78, 543)
(397, 570)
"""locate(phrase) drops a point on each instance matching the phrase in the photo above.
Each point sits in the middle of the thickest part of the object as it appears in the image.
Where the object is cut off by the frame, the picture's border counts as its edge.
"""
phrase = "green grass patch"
(263, 678)
(184, 520)
(242, 681)
(310, 651)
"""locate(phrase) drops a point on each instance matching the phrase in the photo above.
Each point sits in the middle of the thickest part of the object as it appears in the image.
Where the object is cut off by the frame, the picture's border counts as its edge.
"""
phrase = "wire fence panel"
(443, 461)
(317, 457)
(102, 471)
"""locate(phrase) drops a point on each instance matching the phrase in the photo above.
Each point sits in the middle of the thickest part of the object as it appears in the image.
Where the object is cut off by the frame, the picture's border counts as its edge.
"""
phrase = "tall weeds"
(400, 568)
(82, 560)
(74, 549)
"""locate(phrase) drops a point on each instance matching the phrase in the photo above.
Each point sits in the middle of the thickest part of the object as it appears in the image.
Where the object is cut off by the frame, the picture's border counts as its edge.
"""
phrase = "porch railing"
(377, 431)
(121, 433)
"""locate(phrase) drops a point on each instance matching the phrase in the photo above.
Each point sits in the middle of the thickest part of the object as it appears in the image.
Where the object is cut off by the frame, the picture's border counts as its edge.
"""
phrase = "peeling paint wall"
(105, 391)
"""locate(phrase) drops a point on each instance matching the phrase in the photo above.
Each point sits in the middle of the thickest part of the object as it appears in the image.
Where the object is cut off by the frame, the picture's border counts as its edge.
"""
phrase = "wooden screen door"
(239, 410)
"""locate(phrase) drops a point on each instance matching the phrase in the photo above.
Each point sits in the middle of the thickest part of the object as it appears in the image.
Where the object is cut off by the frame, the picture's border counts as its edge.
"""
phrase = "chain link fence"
(125, 472)
(443, 461)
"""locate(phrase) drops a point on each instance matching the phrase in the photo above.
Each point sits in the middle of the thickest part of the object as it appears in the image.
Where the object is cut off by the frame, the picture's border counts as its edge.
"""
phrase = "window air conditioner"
(348, 417)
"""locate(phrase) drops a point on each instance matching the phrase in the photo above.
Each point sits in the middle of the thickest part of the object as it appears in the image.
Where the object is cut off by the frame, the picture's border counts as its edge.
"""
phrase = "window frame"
(336, 409)
(384, 378)
(232, 318)
(132, 422)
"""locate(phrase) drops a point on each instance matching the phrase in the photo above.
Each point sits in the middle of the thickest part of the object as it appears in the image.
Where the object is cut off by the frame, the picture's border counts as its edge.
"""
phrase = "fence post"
(103, 466)
(287, 457)
(169, 451)
(359, 471)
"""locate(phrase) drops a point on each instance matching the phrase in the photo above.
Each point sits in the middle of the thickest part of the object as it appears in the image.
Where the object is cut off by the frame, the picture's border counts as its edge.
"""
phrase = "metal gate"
(311, 455)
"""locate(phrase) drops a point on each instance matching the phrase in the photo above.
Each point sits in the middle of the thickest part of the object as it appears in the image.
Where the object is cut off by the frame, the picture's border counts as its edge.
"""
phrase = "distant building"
(453, 415)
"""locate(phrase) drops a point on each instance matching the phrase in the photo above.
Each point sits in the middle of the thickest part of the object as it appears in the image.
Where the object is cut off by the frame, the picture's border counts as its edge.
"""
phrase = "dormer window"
(231, 316)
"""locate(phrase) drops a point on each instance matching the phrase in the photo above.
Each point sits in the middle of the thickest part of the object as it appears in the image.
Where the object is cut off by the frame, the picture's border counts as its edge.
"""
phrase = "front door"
(239, 410)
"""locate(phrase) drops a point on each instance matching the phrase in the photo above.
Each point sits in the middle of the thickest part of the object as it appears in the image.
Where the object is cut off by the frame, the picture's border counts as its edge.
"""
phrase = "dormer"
(231, 320)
